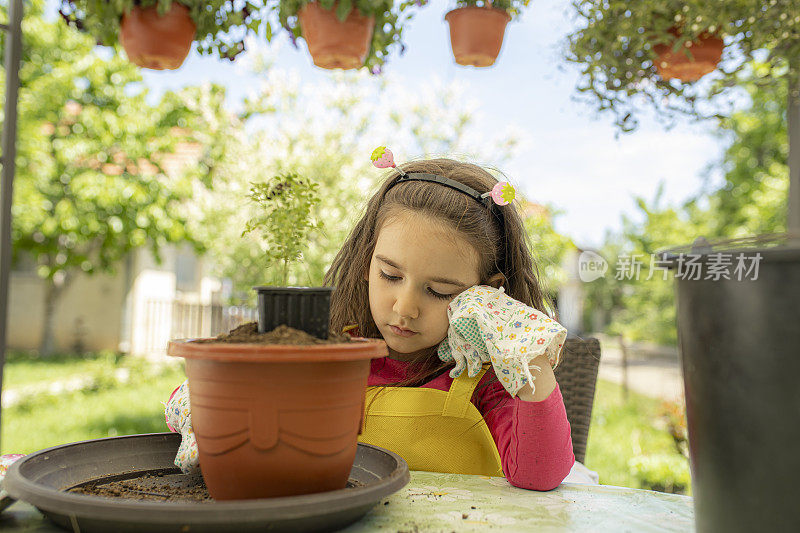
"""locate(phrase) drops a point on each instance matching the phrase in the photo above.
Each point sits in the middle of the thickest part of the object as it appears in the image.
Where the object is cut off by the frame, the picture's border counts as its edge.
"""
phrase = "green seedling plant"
(284, 221)
(513, 7)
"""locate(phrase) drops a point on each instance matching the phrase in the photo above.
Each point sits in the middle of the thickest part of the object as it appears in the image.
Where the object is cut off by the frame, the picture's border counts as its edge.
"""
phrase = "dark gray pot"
(740, 350)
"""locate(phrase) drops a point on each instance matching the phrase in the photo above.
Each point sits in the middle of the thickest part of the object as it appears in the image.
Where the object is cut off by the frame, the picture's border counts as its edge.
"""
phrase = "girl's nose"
(405, 304)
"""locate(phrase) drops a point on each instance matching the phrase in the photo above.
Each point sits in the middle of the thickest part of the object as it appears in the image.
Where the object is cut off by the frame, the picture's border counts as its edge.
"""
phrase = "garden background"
(114, 163)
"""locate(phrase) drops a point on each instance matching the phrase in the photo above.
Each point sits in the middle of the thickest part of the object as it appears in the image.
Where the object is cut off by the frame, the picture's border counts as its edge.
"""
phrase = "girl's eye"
(433, 293)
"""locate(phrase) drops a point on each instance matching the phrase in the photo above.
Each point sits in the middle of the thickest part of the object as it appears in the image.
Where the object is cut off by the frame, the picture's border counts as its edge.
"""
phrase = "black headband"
(484, 199)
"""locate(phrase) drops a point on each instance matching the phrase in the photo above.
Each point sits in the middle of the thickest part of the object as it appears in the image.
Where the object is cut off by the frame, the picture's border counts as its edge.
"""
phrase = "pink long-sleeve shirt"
(533, 438)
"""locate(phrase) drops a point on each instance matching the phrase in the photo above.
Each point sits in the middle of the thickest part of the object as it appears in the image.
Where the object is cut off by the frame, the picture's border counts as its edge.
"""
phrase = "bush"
(631, 443)
(664, 472)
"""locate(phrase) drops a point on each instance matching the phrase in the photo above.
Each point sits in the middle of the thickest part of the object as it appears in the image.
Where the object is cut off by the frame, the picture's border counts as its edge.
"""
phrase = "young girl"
(412, 232)
(423, 240)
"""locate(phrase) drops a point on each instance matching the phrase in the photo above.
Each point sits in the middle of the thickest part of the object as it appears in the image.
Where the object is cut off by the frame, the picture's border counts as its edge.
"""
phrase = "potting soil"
(165, 486)
(283, 334)
(157, 486)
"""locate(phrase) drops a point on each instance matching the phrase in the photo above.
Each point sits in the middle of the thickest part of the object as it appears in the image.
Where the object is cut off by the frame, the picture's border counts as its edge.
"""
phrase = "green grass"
(629, 445)
(108, 409)
(23, 369)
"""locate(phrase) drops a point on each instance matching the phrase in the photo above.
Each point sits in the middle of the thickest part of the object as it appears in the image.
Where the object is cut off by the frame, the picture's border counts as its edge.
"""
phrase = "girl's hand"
(179, 419)
(488, 326)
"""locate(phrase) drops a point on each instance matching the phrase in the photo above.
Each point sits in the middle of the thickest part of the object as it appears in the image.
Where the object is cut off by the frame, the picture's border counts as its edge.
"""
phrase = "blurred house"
(136, 310)
(569, 292)
(571, 295)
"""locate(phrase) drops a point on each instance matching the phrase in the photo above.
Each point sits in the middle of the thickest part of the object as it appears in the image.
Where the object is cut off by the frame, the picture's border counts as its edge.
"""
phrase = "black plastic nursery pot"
(304, 308)
(739, 341)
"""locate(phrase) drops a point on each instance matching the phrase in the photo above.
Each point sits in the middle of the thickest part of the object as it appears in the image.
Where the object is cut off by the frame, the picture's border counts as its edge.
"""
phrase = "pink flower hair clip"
(501, 194)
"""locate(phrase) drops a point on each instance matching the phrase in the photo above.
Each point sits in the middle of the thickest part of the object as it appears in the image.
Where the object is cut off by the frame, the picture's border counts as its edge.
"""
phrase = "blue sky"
(572, 159)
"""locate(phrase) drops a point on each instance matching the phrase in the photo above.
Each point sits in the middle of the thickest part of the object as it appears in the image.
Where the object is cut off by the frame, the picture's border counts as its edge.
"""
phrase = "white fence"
(164, 320)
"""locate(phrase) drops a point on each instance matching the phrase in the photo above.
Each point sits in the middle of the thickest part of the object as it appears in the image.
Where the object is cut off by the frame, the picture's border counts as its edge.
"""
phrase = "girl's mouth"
(402, 332)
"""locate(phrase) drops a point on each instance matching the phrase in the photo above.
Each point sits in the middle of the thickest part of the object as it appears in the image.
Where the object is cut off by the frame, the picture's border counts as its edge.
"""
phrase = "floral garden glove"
(179, 420)
(488, 326)
(5, 463)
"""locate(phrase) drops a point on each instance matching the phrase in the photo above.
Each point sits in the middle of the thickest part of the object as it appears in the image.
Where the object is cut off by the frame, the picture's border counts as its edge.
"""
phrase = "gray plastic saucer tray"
(42, 478)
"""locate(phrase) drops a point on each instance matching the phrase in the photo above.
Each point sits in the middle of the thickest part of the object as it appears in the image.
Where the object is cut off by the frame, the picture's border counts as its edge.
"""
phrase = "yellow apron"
(433, 430)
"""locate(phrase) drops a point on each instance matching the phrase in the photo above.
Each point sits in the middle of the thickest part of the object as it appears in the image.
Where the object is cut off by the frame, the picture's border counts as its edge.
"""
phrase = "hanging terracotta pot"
(276, 419)
(707, 52)
(333, 43)
(476, 34)
(159, 43)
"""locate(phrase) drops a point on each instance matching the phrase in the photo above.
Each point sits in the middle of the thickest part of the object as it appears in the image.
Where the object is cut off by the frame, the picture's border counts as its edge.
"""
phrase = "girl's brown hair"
(498, 235)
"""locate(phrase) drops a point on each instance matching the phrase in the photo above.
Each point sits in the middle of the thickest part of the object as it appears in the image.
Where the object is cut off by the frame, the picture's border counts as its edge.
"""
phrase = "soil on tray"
(158, 486)
(168, 485)
(283, 334)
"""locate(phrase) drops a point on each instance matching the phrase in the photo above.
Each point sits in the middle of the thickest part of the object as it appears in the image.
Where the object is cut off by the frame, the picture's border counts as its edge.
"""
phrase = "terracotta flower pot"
(333, 43)
(155, 42)
(276, 419)
(476, 34)
(707, 52)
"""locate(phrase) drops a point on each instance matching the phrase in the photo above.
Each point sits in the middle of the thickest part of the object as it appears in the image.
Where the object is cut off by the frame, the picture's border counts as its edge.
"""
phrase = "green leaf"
(343, 9)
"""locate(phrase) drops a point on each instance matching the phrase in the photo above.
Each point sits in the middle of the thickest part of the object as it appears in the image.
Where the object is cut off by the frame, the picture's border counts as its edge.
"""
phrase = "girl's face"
(415, 271)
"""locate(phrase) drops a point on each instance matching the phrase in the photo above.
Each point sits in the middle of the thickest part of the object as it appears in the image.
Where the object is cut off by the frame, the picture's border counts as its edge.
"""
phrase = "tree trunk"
(52, 293)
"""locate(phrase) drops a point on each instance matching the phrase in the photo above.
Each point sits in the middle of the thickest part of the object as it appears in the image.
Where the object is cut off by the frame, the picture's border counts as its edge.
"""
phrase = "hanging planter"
(158, 34)
(476, 34)
(334, 43)
(345, 34)
(617, 48)
(154, 41)
(706, 52)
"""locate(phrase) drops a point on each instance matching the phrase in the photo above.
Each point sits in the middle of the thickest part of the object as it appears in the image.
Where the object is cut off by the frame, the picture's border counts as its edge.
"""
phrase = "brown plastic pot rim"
(357, 349)
(486, 9)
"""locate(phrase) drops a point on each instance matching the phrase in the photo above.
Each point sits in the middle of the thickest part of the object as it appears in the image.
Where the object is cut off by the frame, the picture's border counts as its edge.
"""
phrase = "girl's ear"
(497, 281)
